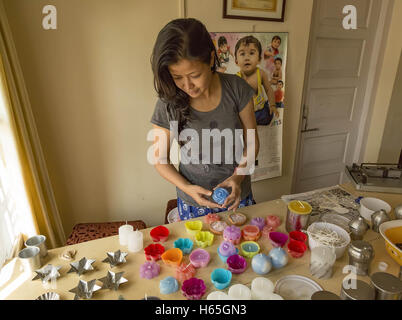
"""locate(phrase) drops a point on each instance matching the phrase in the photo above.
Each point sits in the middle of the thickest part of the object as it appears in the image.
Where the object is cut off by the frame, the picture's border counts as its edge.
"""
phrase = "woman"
(197, 99)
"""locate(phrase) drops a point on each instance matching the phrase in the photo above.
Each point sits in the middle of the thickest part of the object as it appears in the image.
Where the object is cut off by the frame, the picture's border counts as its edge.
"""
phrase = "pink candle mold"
(159, 233)
(266, 231)
(259, 222)
(278, 239)
(199, 258)
(273, 222)
(211, 217)
(236, 264)
(153, 252)
(251, 233)
(226, 249)
(149, 270)
(232, 234)
(185, 272)
(193, 289)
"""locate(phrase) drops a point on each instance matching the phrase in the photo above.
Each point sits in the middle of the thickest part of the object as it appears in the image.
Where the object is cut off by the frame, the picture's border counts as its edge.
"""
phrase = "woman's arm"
(162, 164)
(270, 92)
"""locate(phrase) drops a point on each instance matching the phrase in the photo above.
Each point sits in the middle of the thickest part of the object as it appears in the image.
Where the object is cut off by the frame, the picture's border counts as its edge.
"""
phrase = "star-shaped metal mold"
(113, 280)
(115, 258)
(47, 273)
(82, 266)
(85, 289)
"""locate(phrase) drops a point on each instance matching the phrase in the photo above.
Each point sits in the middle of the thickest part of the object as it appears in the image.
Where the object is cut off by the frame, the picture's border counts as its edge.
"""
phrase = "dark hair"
(276, 38)
(279, 60)
(280, 81)
(246, 41)
(179, 39)
(221, 41)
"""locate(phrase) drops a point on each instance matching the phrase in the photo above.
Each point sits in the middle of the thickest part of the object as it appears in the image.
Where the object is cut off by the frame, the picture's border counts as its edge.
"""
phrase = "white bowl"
(339, 250)
(370, 205)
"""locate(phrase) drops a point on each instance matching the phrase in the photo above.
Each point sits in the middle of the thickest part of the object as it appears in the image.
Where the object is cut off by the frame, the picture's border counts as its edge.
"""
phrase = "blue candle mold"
(220, 195)
(168, 285)
(221, 278)
(184, 244)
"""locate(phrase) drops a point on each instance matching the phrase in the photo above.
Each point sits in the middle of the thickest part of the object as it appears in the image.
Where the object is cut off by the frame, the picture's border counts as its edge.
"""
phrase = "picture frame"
(263, 10)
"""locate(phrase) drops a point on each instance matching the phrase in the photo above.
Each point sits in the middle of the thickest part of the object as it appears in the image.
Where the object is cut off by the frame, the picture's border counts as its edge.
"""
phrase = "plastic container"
(221, 278)
(184, 244)
(298, 215)
(192, 227)
(153, 252)
(199, 258)
(298, 236)
(296, 249)
(159, 234)
(204, 239)
(172, 257)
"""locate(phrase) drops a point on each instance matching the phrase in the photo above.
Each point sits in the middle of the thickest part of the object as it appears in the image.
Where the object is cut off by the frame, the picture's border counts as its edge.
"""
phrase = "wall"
(392, 139)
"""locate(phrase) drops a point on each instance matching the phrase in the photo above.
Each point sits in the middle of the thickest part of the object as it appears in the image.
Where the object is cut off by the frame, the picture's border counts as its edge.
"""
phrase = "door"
(335, 91)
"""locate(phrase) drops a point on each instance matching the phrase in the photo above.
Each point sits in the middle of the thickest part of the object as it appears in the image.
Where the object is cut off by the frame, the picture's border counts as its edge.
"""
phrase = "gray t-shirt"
(206, 128)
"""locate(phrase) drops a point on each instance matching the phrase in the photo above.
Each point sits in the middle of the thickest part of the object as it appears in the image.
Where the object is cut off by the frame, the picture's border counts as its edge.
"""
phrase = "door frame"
(371, 86)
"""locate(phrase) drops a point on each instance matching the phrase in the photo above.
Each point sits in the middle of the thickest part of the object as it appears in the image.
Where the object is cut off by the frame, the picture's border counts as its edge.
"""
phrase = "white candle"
(124, 230)
(135, 241)
(261, 289)
(239, 292)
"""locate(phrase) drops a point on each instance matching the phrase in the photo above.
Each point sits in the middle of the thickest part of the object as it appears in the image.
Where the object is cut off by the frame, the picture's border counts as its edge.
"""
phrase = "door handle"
(310, 130)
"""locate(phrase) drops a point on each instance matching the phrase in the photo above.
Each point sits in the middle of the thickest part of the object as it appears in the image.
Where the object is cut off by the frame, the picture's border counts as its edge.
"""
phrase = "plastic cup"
(322, 260)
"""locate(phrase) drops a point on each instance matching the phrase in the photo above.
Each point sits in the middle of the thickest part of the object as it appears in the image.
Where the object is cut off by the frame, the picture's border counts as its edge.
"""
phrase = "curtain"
(27, 202)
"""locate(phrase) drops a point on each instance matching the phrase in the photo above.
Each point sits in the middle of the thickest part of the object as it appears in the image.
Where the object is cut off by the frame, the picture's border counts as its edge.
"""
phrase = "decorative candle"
(204, 238)
(200, 258)
(278, 257)
(193, 289)
(172, 257)
(168, 285)
(236, 264)
(239, 292)
(232, 234)
(135, 241)
(259, 222)
(211, 217)
(266, 231)
(251, 233)
(149, 270)
(160, 233)
(221, 278)
(184, 244)
(227, 249)
(124, 231)
(217, 295)
(185, 272)
(220, 195)
(273, 222)
(249, 249)
(278, 239)
(153, 252)
(261, 289)
(261, 263)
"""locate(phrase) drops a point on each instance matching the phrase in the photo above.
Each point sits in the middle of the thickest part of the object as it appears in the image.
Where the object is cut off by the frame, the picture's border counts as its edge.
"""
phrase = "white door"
(334, 93)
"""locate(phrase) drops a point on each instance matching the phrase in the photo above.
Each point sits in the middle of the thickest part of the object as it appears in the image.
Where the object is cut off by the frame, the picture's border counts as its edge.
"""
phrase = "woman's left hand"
(233, 182)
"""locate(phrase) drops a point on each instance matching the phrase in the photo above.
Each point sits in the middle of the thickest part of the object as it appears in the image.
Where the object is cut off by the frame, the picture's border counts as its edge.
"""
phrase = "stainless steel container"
(362, 291)
(361, 253)
(38, 241)
(30, 259)
(387, 286)
(398, 212)
(377, 218)
(324, 295)
(298, 215)
(358, 228)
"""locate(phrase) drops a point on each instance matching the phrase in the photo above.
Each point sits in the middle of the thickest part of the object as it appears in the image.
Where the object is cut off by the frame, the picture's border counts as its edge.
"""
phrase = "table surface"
(20, 286)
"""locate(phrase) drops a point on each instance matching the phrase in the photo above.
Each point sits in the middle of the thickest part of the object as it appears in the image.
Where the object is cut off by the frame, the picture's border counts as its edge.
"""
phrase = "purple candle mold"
(259, 222)
(232, 234)
(199, 258)
(227, 249)
(278, 239)
(236, 264)
(193, 289)
(149, 270)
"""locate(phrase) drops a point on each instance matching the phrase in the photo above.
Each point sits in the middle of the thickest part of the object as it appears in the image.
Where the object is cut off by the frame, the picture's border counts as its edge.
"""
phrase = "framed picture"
(268, 10)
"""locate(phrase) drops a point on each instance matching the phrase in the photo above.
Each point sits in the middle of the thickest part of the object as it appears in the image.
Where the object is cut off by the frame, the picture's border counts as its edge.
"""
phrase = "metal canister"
(398, 212)
(362, 291)
(298, 215)
(361, 253)
(377, 218)
(358, 228)
(324, 295)
(387, 286)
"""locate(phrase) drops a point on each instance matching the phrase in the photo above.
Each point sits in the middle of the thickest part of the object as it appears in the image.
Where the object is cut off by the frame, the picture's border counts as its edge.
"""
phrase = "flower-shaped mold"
(199, 258)
(273, 221)
(192, 227)
(259, 222)
(237, 218)
(211, 217)
(249, 249)
(266, 231)
(193, 289)
(251, 233)
(236, 264)
(220, 195)
(204, 239)
(278, 239)
(226, 249)
(217, 227)
(221, 278)
(153, 252)
(184, 244)
(149, 270)
(296, 248)
(159, 233)
(232, 234)
(298, 236)
(172, 257)
(185, 272)
(168, 285)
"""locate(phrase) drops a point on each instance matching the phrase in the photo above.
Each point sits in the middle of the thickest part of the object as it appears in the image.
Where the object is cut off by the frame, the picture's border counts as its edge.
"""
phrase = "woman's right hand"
(197, 193)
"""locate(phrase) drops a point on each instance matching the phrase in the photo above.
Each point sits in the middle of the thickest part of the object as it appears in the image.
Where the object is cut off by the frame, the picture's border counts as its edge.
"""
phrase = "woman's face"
(191, 76)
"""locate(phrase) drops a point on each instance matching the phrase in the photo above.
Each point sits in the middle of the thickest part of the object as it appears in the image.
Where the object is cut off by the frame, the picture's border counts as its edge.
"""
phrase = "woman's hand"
(233, 182)
(197, 193)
